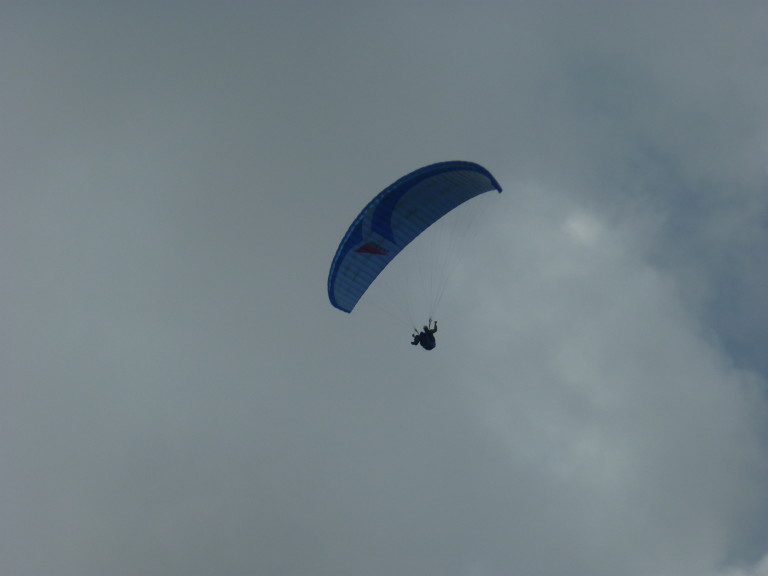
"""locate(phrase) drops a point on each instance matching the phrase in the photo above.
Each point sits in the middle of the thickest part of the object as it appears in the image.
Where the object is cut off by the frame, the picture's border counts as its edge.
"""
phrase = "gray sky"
(177, 395)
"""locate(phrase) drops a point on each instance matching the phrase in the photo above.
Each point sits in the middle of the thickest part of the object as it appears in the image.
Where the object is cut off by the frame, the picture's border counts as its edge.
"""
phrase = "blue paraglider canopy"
(394, 218)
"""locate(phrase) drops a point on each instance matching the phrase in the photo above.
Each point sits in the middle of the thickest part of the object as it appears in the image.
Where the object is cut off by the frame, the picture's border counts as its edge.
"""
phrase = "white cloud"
(600, 381)
(583, 228)
(759, 569)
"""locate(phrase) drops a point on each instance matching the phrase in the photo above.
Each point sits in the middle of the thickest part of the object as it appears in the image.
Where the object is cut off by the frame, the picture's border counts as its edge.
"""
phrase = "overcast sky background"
(179, 397)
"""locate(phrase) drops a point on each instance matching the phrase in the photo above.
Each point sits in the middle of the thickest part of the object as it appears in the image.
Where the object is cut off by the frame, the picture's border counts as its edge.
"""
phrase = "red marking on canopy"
(371, 248)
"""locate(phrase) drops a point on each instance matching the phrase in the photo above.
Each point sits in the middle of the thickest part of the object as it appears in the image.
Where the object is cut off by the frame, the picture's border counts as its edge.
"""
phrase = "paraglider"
(394, 218)
(426, 337)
